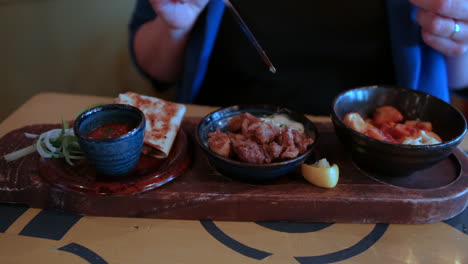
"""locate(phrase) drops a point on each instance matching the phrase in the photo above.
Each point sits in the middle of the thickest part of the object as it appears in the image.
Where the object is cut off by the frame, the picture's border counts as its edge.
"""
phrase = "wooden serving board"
(198, 192)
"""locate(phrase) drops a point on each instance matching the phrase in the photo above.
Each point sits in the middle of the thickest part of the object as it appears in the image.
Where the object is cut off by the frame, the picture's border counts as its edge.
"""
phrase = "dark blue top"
(317, 54)
(415, 65)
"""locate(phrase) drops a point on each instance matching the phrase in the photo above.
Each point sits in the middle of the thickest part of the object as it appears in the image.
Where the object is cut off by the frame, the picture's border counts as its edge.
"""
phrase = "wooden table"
(30, 235)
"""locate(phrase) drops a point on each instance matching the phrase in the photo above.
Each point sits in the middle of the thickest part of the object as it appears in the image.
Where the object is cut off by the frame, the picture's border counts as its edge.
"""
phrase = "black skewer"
(250, 36)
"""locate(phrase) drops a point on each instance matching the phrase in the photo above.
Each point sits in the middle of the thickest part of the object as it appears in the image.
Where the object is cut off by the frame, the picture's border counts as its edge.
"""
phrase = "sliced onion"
(40, 149)
(49, 136)
(20, 153)
(29, 135)
(44, 145)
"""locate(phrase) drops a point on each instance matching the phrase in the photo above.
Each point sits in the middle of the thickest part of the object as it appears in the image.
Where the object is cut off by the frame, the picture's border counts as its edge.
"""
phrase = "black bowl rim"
(112, 106)
(404, 146)
(304, 155)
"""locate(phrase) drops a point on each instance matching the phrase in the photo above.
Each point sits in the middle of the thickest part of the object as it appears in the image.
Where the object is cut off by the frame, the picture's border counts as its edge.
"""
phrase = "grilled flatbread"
(163, 119)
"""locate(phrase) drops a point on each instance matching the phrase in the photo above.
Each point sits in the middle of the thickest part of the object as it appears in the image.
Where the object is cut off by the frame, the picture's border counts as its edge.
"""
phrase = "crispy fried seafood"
(257, 140)
(387, 125)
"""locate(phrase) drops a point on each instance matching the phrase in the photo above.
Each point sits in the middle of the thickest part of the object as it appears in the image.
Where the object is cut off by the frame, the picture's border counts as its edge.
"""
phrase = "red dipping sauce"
(109, 131)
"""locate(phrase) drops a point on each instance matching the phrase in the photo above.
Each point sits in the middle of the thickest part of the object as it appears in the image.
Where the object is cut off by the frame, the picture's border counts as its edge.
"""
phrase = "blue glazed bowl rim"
(233, 162)
(88, 113)
(338, 119)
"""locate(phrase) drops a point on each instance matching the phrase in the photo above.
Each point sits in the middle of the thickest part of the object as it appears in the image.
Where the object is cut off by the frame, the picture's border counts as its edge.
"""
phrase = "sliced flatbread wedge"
(163, 120)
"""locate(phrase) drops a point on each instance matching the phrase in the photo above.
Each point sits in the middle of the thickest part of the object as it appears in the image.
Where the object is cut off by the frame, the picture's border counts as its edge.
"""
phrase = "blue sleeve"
(142, 13)
(417, 66)
(199, 50)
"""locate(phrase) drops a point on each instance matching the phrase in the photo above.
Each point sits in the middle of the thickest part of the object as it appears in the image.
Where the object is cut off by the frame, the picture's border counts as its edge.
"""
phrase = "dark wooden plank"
(199, 192)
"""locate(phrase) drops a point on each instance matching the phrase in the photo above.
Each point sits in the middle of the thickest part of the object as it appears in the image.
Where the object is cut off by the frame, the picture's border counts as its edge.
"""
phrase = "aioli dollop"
(282, 120)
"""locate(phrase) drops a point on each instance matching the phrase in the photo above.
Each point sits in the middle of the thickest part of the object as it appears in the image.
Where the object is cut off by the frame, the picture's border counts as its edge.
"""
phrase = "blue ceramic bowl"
(392, 159)
(115, 156)
(243, 170)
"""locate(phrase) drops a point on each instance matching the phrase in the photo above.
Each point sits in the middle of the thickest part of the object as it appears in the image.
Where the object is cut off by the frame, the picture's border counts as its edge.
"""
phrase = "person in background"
(320, 48)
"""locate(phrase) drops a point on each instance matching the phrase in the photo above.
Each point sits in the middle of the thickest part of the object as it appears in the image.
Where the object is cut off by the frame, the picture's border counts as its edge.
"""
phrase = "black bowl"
(391, 159)
(243, 170)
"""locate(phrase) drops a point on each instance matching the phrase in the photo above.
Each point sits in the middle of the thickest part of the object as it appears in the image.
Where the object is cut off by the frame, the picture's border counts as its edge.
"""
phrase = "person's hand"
(179, 14)
(444, 24)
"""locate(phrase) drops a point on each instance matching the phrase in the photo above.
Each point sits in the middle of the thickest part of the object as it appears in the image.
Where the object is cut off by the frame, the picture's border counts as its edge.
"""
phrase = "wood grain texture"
(201, 193)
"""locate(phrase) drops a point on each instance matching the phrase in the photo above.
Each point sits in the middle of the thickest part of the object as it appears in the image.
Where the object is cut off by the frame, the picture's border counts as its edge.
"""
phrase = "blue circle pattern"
(296, 227)
(37, 228)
